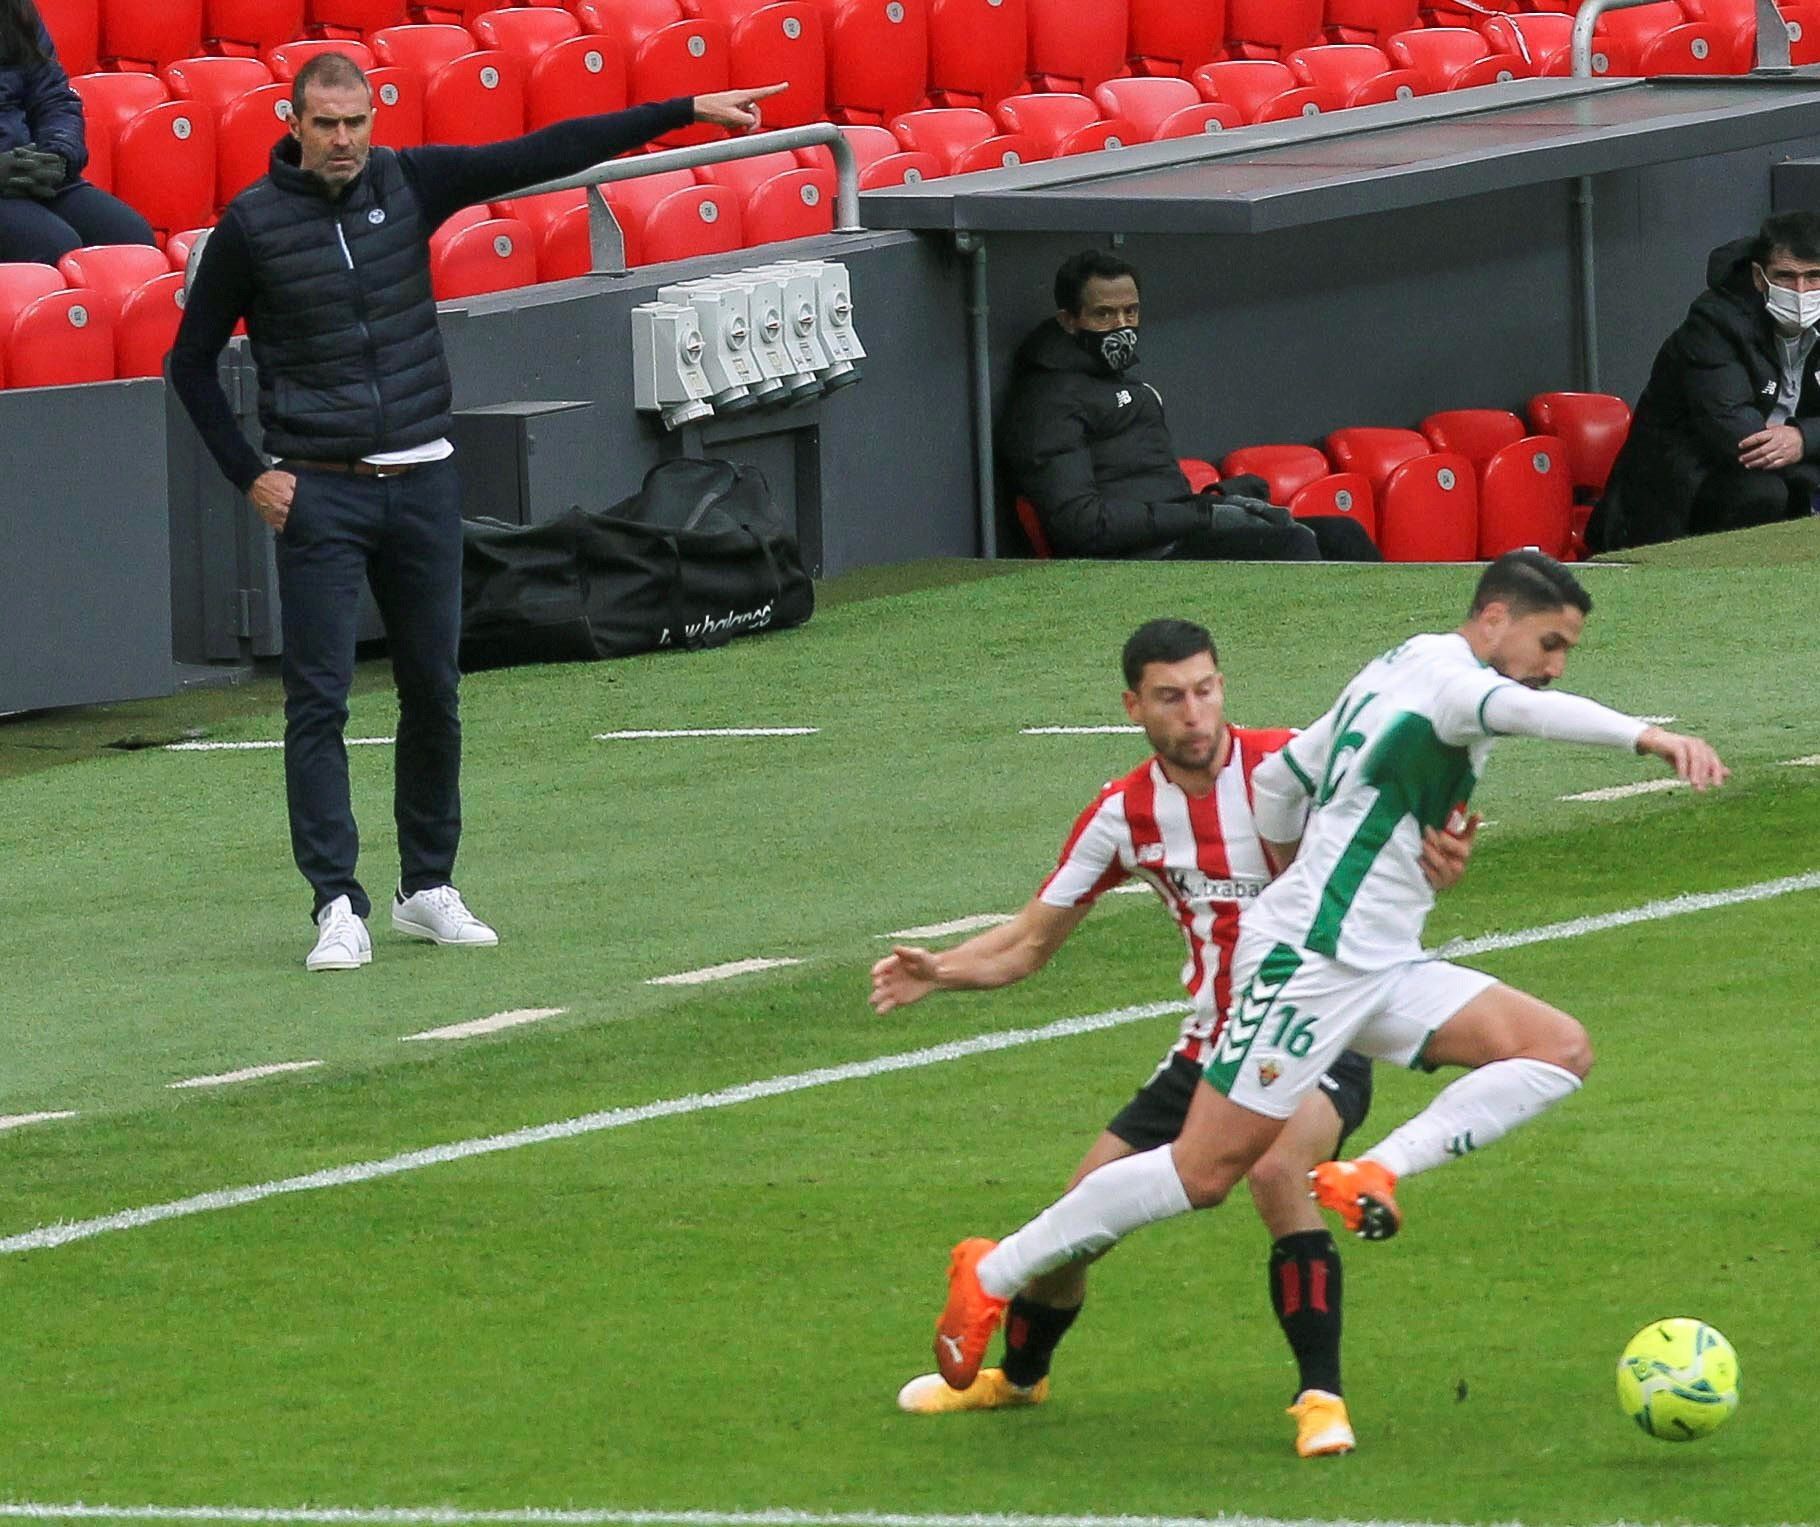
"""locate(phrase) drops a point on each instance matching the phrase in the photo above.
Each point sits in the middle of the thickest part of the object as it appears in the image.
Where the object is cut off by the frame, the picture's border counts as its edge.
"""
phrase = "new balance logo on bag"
(733, 623)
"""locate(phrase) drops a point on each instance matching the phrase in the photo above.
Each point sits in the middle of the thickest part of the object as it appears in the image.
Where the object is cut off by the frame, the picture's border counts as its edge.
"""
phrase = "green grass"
(715, 1310)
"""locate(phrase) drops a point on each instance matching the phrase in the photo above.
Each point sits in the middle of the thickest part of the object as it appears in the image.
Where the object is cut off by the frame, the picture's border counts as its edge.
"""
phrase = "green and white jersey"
(1401, 750)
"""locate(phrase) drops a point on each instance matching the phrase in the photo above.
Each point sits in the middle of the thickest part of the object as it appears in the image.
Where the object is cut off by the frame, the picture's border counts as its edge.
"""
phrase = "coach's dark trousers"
(403, 536)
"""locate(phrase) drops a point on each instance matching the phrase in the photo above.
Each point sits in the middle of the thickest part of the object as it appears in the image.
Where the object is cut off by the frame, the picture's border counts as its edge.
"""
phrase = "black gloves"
(32, 171)
(1233, 512)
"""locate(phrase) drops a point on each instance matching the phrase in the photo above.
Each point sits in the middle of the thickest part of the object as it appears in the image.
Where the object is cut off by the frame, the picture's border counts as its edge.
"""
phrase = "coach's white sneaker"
(440, 915)
(342, 940)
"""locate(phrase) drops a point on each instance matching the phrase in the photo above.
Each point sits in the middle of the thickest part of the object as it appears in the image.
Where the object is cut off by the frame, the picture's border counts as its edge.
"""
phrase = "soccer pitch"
(664, 1252)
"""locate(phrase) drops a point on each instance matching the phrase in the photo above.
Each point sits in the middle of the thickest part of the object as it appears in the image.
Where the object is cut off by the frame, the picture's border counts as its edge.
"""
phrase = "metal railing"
(1772, 34)
(606, 240)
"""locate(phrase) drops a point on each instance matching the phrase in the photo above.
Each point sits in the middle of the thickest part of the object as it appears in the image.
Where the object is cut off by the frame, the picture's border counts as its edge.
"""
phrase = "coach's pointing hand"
(271, 495)
(905, 975)
(737, 109)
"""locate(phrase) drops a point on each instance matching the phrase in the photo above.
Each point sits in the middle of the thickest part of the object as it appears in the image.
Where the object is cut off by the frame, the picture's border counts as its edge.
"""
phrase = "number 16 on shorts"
(1247, 1071)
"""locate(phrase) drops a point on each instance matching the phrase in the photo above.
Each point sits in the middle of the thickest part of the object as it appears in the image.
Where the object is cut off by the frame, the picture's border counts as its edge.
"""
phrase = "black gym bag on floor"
(697, 556)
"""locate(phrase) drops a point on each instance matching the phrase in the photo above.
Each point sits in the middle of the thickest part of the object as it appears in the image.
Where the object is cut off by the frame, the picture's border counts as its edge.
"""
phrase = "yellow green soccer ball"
(1678, 1380)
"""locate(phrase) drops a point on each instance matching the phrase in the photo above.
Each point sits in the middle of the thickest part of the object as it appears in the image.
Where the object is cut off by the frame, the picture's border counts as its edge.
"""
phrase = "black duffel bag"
(697, 556)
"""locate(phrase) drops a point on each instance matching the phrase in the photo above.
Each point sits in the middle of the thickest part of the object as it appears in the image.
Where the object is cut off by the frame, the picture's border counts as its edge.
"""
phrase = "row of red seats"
(104, 312)
(1468, 484)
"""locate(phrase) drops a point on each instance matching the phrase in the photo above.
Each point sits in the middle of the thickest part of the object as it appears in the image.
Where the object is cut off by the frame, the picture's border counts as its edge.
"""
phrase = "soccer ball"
(1678, 1380)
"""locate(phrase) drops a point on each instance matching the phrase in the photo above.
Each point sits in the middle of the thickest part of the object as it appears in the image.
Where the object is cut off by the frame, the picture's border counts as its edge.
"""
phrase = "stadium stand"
(147, 326)
(1064, 123)
(1428, 510)
(977, 51)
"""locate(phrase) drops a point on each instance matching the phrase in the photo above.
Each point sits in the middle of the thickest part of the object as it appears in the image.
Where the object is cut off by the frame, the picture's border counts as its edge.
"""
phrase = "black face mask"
(1114, 350)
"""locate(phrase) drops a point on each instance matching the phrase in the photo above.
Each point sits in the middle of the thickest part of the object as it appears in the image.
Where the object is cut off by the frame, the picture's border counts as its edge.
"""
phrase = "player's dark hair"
(330, 70)
(1796, 232)
(1164, 641)
(1078, 269)
(1528, 581)
(19, 46)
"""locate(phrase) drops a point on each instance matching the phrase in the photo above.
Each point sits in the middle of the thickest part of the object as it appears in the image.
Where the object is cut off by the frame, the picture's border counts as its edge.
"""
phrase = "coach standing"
(327, 260)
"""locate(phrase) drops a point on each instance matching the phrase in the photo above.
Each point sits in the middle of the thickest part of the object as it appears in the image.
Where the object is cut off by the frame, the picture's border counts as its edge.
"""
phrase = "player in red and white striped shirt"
(1182, 822)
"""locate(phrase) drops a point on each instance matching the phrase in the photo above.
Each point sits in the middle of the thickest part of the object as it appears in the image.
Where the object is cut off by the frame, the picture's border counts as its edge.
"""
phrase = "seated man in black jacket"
(1088, 445)
(1727, 432)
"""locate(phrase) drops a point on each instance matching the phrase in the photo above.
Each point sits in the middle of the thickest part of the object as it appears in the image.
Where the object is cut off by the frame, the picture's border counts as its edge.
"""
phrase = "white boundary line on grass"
(262, 747)
(709, 731)
(19, 1120)
(246, 1074)
(49, 1236)
(457, 1516)
(492, 1025)
(719, 972)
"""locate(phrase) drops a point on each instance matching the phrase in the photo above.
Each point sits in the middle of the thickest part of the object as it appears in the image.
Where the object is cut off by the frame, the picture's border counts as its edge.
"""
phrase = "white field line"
(1620, 792)
(457, 1516)
(1076, 731)
(971, 924)
(248, 1074)
(1649, 912)
(265, 747)
(17, 1120)
(49, 1236)
(1811, 761)
(718, 972)
(709, 731)
(1657, 720)
(1131, 888)
(490, 1025)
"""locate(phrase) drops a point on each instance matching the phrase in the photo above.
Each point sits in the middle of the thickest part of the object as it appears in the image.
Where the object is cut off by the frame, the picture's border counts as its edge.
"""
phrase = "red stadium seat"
(21, 284)
(58, 340)
(1428, 510)
(1478, 434)
(1803, 33)
(631, 21)
(963, 139)
(110, 101)
(524, 31)
(138, 35)
(685, 58)
(977, 51)
(1172, 37)
(1287, 468)
(286, 59)
(1371, 21)
(1200, 474)
(882, 160)
(423, 47)
(1453, 58)
(1261, 90)
(1356, 73)
(75, 28)
(213, 82)
(580, 77)
(1338, 494)
(147, 326)
(164, 165)
(1526, 498)
(1077, 44)
(109, 273)
(798, 204)
(1032, 526)
(1543, 42)
(354, 18)
(398, 114)
(668, 216)
(728, 12)
(744, 176)
(1162, 107)
(1466, 13)
(479, 98)
(178, 246)
(249, 27)
(1622, 36)
(489, 256)
(452, 13)
(1373, 452)
(558, 221)
(1064, 124)
(244, 137)
(1697, 48)
(878, 58)
(1592, 425)
(784, 41)
(1271, 28)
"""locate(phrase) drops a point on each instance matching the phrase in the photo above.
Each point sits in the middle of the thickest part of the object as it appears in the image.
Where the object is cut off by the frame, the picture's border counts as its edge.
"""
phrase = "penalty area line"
(457, 1516)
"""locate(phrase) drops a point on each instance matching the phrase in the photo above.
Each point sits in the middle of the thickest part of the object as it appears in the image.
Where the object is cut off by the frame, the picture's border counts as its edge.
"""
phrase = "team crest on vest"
(376, 216)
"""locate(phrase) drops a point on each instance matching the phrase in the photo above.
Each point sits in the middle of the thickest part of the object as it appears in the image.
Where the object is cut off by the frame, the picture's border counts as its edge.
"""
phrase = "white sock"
(1103, 1207)
(1482, 1106)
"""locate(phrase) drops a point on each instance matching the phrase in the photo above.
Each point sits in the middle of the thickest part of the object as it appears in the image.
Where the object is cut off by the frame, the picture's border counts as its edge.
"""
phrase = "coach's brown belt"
(355, 468)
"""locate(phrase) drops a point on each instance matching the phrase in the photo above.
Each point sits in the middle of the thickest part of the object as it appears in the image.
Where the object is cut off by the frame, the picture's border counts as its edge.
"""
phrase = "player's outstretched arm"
(1692, 759)
(998, 957)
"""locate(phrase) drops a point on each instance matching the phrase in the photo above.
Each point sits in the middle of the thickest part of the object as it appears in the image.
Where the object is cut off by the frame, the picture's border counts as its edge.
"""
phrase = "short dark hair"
(1797, 232)
(1528, 581)
(1078, 269)
(327, 69)
(1164, 641)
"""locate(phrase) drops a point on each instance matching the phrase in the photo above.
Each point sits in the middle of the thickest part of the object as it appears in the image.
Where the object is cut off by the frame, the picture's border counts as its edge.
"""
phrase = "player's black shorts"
(1155, 1114)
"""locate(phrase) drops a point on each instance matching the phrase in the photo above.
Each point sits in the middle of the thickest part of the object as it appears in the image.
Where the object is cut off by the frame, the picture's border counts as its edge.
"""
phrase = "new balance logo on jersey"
(1151, 853)
(1460, 1144)
(1769, 389)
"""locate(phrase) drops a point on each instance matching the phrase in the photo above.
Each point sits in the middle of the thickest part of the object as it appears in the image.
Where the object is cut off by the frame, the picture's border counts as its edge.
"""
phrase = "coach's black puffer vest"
(343, 323)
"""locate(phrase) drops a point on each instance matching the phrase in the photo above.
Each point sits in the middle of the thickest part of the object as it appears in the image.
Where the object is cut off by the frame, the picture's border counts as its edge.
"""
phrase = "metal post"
(1589, 309)
(985, 468)
(1772, 34)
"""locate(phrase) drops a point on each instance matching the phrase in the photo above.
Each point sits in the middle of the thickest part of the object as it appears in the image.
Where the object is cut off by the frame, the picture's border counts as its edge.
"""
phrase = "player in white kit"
(1183, 823)
(1330, 955)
